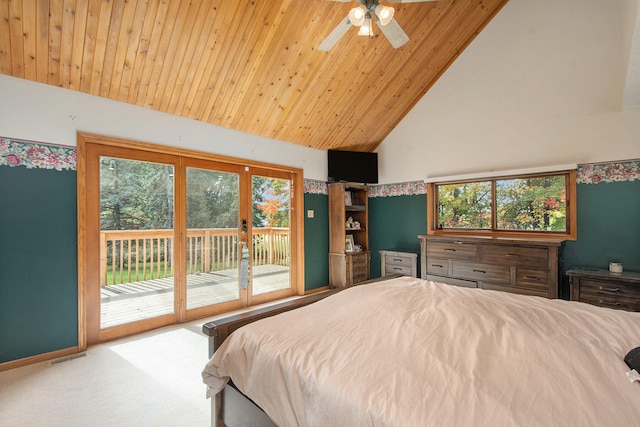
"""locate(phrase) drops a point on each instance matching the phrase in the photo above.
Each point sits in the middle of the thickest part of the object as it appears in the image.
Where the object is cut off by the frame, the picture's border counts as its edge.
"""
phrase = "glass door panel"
(212, 261)
(136, 240)
(271, 234)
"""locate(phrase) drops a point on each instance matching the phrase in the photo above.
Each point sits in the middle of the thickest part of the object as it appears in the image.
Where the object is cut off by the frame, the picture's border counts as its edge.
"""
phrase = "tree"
(135, 195)
(138, 195)
(274, 203)
(532, 204)
(212, 199)
(465, 205)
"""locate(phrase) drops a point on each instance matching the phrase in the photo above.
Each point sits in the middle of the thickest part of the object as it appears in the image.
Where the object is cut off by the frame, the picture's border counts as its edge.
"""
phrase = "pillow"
(632, 359)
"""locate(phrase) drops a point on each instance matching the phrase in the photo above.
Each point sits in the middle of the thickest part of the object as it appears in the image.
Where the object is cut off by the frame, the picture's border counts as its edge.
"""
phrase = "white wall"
(542, 85)
(44, 113)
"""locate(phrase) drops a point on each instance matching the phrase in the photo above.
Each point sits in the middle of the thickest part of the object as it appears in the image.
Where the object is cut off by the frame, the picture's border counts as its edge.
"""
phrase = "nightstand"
(394, 262)
(606, 289)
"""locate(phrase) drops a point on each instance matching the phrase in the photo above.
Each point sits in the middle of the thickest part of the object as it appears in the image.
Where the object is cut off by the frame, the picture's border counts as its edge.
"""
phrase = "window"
(532, 205)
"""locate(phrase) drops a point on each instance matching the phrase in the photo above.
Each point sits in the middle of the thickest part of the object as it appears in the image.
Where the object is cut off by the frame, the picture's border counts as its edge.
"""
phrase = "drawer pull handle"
(512, 255)
(437, 265)
(479, 271)
(615, 304)
(449, 250)
(397, 259)
(537, 279)
(397, 268)
(602, 288)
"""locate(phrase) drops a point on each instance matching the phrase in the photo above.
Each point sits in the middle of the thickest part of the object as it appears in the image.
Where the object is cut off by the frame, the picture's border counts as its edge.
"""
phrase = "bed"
(410, 352)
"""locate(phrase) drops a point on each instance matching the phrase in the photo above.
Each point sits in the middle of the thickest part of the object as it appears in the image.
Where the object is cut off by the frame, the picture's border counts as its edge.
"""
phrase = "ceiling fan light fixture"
(384, 13)
(357, 15)
(365, 28)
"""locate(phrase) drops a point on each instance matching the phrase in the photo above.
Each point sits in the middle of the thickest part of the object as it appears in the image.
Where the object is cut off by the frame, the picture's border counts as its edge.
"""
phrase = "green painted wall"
(316, 241)
(38, 259)
(38, 262)
(608, 228)
(38, 247)
(394, 224)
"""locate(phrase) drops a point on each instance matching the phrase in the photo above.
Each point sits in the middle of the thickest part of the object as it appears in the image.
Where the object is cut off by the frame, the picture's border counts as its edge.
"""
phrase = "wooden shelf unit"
(347, 200)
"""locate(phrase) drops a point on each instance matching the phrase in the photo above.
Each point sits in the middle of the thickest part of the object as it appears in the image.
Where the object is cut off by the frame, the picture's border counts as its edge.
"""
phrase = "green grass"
(123, 277)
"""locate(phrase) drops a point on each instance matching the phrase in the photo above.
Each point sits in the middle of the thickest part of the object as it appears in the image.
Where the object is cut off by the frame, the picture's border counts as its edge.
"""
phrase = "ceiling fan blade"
(394, 33)
(403, 1)
(335, 35)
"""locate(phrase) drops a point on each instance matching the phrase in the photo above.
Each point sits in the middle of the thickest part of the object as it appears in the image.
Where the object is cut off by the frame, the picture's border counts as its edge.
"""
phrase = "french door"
(169, 237)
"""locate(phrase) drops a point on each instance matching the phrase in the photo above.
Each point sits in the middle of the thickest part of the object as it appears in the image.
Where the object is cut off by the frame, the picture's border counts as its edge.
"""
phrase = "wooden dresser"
(605, 289)
(512, 265)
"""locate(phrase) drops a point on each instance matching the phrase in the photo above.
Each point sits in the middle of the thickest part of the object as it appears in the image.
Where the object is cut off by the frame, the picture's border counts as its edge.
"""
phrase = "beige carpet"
(152, 379)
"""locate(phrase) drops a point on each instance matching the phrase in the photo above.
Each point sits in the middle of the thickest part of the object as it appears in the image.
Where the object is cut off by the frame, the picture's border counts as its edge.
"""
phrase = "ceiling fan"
(363, 15)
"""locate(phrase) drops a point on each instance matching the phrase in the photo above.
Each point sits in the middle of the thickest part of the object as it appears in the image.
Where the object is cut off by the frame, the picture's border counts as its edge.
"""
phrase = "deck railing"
(137, 255)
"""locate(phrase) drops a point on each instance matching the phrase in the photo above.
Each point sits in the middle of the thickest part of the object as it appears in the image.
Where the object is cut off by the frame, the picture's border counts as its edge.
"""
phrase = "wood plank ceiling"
(246, 65)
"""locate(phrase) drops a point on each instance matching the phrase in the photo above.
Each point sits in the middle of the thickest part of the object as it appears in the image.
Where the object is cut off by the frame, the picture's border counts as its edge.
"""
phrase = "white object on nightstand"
(394, 262)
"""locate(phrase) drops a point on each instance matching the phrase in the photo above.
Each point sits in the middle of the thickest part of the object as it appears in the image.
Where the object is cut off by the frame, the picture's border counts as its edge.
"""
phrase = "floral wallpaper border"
(37, 155)
(401, 189)
(312, 186)
(16, 152)
(595, 173)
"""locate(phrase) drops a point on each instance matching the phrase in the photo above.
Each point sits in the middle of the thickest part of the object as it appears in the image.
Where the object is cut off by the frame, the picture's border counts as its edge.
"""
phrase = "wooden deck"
(141, 300)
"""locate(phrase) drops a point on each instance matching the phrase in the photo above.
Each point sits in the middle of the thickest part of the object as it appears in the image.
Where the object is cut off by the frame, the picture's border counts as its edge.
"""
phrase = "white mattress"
(408, 352)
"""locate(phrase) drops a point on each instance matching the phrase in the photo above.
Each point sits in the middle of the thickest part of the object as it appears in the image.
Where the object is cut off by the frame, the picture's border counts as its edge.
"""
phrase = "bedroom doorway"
(171, 237)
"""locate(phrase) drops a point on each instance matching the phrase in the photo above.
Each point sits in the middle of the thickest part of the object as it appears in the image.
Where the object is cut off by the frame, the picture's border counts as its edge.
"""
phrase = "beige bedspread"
(408, 352)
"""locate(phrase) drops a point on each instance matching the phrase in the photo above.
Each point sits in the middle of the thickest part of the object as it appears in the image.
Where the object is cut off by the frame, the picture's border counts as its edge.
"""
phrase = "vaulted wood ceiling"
(246, 65)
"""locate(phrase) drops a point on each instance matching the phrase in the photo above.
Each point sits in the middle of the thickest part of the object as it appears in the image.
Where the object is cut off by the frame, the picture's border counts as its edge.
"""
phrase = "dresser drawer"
(438, 266)
(531, 278)
(452, 249)
(358, 267)
(452, 281)
(604, 288)
(515, 255)
(515, 290)
(618, 302)
(360, 260)
(481, 272)
(398, 269)
(399, 260)
(360, 276)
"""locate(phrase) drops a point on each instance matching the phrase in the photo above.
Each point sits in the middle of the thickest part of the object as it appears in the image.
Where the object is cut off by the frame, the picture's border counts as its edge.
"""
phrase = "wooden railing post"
(270, 236)
(206, 248)
(103, 259)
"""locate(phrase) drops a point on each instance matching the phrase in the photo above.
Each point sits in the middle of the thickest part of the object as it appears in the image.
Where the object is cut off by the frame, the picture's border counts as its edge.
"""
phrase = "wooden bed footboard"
(230, 408)
(218, 330)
